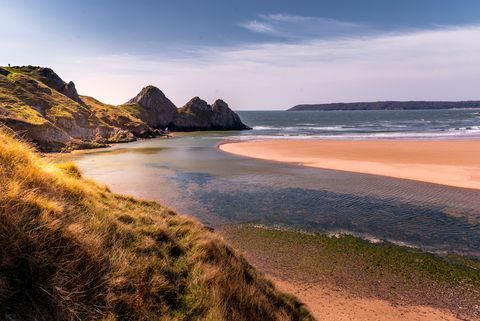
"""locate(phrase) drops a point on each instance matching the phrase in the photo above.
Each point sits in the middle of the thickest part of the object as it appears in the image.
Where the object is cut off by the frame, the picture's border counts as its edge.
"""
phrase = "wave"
(348, 136)
(313, 128)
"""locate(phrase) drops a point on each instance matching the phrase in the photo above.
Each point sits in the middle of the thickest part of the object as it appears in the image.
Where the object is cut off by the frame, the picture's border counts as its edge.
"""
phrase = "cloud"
(256, 26)
(298, 27)
(439, 64)
(442, 63)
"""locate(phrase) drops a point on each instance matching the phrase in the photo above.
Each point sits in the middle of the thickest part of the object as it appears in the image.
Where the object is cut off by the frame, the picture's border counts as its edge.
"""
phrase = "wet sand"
(326, 303)
(340, 287)
(447, 162)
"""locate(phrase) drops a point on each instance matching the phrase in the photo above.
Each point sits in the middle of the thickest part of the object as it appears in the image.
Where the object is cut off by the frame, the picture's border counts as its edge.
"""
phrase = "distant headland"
(388, 105)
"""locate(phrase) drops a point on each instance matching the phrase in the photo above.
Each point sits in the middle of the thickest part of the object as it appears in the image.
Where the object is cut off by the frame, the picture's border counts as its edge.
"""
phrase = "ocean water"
(362, 124)
(189, 174)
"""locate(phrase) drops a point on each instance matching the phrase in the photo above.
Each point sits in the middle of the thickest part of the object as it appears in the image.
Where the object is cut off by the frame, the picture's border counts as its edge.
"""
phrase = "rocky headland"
(44, 109)
(388, 105)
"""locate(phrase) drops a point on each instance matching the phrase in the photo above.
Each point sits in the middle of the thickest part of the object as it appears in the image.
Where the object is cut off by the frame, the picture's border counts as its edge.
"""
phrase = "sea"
(385, 124)
(189, 174)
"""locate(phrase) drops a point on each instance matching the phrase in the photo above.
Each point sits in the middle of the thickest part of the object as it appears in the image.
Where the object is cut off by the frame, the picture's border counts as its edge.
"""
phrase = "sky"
(256, 55)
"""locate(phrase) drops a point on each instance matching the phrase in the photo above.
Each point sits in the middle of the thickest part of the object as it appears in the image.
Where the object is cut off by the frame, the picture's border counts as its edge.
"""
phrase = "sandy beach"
(447, 162)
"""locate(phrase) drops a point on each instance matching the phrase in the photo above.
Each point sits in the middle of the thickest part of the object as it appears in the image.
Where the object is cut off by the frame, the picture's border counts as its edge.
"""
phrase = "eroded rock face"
(41, 121)
(198, 115)
(38, 105)
(157, 110)
(46, 136)
(52, 80)
(70, 91)
(225, 118)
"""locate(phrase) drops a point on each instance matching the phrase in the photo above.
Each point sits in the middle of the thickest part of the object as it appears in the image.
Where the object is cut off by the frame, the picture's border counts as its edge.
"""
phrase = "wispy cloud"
(256, 26)
(301, 27)
(441, 63)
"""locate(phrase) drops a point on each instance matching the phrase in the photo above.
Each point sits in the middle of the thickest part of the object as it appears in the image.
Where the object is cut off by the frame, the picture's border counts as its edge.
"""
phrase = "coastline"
(365, 282)
(324, 298)
(446, 162)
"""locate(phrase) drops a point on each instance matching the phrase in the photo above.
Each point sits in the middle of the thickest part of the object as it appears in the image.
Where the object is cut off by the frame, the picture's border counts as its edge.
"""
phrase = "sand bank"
(447, 162)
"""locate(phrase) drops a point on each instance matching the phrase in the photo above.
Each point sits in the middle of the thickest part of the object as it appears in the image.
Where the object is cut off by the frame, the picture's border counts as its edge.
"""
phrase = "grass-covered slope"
(119, 116)
(39, 105)
(72, 250)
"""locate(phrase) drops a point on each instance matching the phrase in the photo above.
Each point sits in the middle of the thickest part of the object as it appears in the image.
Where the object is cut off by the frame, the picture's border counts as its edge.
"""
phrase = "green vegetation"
(34, 102)
(72, 250)
(385, 271)
(133, 109)
(114, 115)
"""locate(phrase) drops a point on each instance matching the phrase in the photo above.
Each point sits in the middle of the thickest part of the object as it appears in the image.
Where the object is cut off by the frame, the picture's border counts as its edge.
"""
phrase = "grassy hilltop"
(72, 250)
(44, 109)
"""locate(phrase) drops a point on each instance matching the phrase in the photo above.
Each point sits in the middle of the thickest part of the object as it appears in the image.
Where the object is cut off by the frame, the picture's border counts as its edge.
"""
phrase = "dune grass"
(72, 250)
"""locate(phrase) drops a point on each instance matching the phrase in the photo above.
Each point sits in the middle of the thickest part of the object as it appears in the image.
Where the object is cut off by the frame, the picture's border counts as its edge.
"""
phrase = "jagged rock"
(225, 118)
(198, 115)
(52, 80)
(70, 91)
(49, 78)
(157, 110)
(4, 72)
(56, 118)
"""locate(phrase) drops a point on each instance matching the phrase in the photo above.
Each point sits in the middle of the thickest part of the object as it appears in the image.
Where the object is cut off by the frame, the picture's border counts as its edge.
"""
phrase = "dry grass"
(55, 122)
(72, 250)
(34, 102)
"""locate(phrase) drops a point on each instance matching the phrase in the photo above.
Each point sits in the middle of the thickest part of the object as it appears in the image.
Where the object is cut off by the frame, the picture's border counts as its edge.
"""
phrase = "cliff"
(72, 250)
(198, 115)
(388, 105)
(39, 105)
(46, 110)
(153, 107)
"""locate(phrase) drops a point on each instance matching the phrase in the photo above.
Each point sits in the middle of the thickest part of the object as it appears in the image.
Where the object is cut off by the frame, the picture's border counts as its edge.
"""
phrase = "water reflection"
(190, 175)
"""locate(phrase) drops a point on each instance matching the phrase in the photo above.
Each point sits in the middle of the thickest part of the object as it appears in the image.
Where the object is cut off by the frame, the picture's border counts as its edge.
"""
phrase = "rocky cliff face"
(37, 104)
(198, 115)
(40, 106)
(52, 80)
(155, 108)
(225, 118)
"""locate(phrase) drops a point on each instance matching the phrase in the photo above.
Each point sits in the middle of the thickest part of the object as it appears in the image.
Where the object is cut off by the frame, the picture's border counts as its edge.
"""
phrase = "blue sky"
(265, 54)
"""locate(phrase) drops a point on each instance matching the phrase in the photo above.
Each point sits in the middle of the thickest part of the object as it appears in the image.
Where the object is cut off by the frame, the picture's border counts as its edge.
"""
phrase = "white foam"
(451, 134)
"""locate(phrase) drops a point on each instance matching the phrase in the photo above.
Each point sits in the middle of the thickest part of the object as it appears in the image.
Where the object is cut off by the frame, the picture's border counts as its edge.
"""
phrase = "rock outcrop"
(225, 118)
(52, 80)
(46, 136)
(155, 108)
(36, 103)
(198, 115)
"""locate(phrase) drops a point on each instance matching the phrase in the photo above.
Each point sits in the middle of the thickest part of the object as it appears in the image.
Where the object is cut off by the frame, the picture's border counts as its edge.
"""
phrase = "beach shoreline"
(446, 162)
(345, 278)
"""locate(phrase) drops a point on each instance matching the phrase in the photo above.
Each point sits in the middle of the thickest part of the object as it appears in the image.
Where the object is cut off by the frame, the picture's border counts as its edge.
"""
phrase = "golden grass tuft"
(72, 250)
